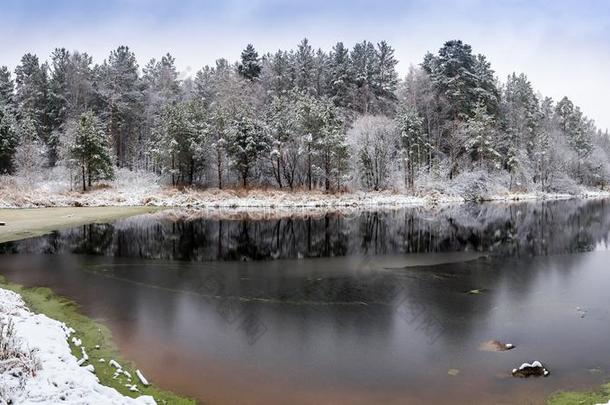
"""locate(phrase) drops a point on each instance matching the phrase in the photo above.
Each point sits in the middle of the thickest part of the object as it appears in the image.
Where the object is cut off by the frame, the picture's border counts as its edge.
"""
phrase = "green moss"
(91, 333)
(584, 397)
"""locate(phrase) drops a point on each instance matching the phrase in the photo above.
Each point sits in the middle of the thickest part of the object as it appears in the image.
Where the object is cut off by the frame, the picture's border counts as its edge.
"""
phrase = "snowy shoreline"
(58, 376)
(227, 199)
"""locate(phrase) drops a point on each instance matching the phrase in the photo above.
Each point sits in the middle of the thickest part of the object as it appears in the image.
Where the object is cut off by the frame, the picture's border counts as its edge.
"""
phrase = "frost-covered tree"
(90, 151)
(340, 82)
(179, 138)
(161, 88)
(276, 73)
(29, 158)
(8, 139)
(121, 99)
(281, 119)
(520, 114)
(461, 78)
(385, 79)
(374, 143)
(7, 88)
(248, 141)
(31, 81)
(480, 136)
(249, 67)
(576, 129)
(363, 71)
(304, 67)
(413, 145)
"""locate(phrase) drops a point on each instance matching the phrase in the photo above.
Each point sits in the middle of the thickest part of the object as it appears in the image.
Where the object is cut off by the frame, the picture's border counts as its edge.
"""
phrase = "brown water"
(332, 309)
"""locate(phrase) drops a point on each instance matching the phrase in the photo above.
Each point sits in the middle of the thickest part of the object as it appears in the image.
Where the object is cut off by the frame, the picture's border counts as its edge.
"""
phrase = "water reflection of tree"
(539, 228)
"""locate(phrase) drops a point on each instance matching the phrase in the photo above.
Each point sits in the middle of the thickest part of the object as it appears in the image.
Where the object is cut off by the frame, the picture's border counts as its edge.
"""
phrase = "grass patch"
(92, 333)
(600, 396)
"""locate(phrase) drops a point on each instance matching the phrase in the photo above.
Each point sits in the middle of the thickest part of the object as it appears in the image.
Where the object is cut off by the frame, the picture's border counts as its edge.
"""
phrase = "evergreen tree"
(520, 112)
(57, 105)
(277, 72)
(341, 85)
(480, 137)
(249, 67)
(29, 157)
(8, 139)
(31, 94)
(90, 151)
(179, 141)
(281, 119)
(304, 67)
(385, 79)
(363, 72)
(121, 97)
(413, 144)
(248, 141)
(462, 79)
(7, 88)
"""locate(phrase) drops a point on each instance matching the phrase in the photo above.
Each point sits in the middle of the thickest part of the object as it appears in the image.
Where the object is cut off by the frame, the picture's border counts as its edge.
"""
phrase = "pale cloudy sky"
(563, 45)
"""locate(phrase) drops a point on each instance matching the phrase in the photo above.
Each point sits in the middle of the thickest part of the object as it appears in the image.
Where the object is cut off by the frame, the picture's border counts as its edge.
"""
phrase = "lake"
(356, 307)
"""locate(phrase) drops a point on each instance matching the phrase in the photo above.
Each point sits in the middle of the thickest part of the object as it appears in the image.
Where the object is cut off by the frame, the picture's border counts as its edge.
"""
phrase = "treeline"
(301, 118)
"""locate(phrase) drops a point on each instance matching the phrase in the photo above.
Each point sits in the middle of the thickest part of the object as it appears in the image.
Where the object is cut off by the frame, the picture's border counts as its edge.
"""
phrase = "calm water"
(364, 308)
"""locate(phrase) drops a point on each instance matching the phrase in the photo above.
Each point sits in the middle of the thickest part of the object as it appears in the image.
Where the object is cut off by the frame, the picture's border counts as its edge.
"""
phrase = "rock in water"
(536, 369)
(495, 346)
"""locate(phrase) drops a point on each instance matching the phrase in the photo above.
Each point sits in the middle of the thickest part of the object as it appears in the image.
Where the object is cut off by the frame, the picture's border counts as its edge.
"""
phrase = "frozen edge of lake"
(59, 378)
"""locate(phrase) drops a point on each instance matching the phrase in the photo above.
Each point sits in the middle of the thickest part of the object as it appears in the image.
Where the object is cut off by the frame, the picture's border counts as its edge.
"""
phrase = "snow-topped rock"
(535, 369)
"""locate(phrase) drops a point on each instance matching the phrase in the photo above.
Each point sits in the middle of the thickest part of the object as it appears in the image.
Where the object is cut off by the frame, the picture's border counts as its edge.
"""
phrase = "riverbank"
(599, 397)
(54, 354)
(256, 198)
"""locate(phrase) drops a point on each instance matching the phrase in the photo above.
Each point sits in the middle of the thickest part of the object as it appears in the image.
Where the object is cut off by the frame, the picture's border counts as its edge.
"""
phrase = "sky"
(563, 46)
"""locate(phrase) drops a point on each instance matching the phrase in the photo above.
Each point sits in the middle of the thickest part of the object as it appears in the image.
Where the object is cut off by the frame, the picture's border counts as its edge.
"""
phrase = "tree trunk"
(327, 174)
(309, 167)
(219, 168)
(84, 183)
(173, 168)
(279, 173)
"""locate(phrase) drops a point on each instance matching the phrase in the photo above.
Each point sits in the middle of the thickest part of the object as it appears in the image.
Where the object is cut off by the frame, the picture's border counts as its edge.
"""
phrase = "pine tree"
(576, 128)
(90, 151)
(341, 85)
(31, 94)
(304, 67)
(480, 137)
(179, 138)
(281, 119)
(248, 141)
(7, 88)
(279, 73)
(29, 157)
(121, 102)
(385, 79)
(8, 139)
(249, 67)
(57, 105)
(462, 79)
(520, 113)
(363, 71)
(412, 142)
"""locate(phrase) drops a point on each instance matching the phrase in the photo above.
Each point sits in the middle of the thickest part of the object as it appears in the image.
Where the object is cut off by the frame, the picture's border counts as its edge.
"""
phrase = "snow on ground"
(58, 378)
(142, 188)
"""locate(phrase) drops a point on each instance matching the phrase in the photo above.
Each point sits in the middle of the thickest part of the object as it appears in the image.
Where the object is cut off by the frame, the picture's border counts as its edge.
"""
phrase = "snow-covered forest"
(304, 118)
